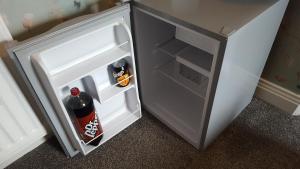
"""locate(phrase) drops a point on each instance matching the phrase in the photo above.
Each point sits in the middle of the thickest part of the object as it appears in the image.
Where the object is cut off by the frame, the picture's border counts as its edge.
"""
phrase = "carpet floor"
(261, 137)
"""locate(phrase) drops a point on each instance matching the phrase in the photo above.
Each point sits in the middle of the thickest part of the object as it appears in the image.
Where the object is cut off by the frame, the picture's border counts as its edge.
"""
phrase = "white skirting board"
(278, 96)
(297, 111)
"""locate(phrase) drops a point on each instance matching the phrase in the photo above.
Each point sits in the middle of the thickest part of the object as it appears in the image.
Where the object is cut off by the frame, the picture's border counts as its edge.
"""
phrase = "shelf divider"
(196, 59)
(172, 46)
(111, 91)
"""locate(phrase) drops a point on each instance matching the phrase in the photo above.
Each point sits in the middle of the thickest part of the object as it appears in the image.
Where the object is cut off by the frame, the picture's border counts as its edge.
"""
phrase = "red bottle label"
(89, 127)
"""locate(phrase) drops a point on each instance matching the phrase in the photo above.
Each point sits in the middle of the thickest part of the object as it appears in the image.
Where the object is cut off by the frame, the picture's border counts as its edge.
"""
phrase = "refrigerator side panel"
(245, 57)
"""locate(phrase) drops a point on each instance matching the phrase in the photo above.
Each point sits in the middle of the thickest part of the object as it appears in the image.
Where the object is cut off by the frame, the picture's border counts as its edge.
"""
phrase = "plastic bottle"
(87, 122)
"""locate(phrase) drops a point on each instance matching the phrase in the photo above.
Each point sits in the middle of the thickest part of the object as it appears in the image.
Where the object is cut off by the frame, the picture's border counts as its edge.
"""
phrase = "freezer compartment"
(184, 64)
(188, 55)
(187, 66)
(174, 73)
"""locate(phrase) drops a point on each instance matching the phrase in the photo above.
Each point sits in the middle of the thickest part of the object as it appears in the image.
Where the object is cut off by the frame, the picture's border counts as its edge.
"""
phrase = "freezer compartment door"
(81, 55)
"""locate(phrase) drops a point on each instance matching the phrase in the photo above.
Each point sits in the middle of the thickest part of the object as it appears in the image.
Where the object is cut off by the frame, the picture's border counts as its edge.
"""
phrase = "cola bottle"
(86, 121)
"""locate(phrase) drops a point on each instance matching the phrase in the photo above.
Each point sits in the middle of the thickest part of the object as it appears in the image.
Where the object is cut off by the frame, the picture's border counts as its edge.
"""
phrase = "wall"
(283, 66)
(26, 18)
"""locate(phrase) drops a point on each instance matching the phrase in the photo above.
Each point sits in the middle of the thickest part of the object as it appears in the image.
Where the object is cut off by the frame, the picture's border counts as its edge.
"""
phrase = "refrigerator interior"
(85, 61)
(174, 73)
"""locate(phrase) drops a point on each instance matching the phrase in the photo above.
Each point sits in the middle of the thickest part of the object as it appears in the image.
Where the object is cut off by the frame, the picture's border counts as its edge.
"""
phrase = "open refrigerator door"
(82, 55)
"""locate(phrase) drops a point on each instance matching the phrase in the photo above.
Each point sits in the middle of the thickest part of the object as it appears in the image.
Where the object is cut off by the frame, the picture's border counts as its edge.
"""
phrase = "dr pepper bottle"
(87, 122)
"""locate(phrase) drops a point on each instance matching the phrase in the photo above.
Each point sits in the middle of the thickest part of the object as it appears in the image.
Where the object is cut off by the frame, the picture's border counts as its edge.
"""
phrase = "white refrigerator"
(182, 70)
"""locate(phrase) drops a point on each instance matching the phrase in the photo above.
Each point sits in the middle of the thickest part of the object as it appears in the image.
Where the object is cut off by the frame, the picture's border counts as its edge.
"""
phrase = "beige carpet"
(261, 137)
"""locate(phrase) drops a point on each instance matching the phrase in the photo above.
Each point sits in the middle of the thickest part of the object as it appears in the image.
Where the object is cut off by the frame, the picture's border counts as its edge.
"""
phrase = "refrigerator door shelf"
(115, 115)
(114, 90)
(87, 47)
(79, 69)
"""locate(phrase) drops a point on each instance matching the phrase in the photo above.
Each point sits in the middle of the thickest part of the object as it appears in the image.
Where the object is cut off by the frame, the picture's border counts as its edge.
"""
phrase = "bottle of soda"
(87, 122)
(121, 73)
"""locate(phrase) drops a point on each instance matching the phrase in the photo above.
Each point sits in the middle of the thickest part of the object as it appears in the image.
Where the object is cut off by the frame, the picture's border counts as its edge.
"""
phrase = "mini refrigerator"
(192, 77)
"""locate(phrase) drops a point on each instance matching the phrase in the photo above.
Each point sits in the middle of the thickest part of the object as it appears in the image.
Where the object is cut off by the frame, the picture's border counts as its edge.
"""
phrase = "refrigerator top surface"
(221, 17)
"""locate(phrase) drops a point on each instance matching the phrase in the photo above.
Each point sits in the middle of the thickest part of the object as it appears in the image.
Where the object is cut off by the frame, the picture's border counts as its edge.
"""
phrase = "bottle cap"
(75, 91)
(120, 64)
